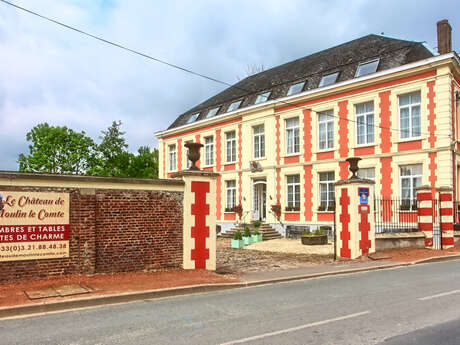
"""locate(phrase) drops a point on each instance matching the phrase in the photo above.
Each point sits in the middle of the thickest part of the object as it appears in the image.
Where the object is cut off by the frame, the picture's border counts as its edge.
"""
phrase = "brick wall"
(111, 231)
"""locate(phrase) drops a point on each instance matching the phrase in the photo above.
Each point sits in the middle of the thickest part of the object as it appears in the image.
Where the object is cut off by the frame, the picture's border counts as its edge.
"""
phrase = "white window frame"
(209, 151)
(326, 123)
(365, 116)
(329, 184)
(291, 90)
(258, 134)
(234, 105)
(325, 78)
(172, 157)
(262, 97)
(193, 118)
(188, 162)
(365, 172)
(411, 107)
(412, 187)
(292, 140)
(230, 147)
(357, 74)
(230, 194)
(293, 189)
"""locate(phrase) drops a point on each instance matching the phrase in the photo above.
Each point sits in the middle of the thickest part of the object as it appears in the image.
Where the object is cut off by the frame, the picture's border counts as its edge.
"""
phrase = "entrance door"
(259, 200)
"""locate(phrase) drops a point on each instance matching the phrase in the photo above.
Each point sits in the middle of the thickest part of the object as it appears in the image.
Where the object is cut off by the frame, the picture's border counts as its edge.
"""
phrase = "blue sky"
(50, 74)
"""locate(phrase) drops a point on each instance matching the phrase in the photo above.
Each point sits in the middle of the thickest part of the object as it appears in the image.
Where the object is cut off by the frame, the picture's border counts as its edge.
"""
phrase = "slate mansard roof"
(343, 58)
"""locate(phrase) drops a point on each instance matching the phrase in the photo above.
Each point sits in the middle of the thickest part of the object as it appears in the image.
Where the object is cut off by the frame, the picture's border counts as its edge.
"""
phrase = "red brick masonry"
(111, 231)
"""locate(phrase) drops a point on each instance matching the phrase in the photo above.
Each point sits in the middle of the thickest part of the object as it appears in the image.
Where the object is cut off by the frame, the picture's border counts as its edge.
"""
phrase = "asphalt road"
(409, 305)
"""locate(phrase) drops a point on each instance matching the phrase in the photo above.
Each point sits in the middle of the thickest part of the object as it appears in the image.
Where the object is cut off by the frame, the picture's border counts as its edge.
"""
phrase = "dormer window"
(193, 118)
(263, 97)
(212, 112)
(329, 79)
(296, 88)
(235, 105)
(368, 67)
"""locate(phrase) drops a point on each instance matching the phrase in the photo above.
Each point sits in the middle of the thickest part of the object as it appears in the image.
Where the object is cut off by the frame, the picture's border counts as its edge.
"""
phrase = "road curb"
(88, 302)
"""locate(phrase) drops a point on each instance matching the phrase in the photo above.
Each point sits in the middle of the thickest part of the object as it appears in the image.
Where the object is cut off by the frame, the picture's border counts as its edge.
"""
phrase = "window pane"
(212, 112)
(370, 128)
(192, 118)
(416, 121)
(415, 97)
(295, 88)
(263, 97)
(405, 131)
(404, 100)
(329, 79)
(367, 68)
(235, 105)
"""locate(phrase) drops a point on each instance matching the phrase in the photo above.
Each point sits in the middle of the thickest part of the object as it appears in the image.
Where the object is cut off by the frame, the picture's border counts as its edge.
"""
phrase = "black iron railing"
(395, 215)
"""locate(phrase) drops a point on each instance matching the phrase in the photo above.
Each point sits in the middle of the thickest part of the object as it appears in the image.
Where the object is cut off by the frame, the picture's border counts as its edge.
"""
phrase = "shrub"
(307, 233)
(318, 232)
(256, 233)
(247, 232)
(256, 223)
(238, 235)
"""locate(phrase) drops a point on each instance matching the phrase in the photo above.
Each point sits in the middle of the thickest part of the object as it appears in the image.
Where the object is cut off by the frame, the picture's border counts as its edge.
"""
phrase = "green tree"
(144, 164)
(113, 157)
(56, 149)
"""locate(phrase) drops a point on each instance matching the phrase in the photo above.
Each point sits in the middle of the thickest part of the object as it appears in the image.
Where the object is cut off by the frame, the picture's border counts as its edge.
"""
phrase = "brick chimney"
(444, 37)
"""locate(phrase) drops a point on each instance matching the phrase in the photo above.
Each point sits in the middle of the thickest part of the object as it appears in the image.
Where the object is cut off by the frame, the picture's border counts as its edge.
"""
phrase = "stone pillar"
(446, 216)
(199, 208)
(355, 223)
(426, 213)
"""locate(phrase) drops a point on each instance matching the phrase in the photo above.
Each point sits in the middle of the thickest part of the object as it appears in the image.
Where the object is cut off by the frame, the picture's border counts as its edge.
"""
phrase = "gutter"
(451, 55)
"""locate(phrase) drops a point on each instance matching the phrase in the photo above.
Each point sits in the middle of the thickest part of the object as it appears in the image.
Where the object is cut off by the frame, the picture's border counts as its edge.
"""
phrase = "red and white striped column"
(425, 213)
(446, 216)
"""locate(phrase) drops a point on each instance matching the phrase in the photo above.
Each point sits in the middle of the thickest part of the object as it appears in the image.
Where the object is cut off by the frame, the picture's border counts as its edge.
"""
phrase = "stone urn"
(353, 161)
(193, 153)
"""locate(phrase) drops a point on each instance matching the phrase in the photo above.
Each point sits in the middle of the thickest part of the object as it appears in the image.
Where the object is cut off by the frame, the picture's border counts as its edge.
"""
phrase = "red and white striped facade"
(436, 150)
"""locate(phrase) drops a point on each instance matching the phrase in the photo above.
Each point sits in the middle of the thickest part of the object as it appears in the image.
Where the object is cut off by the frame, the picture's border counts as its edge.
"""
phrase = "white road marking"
(287, 330)
(439, 295)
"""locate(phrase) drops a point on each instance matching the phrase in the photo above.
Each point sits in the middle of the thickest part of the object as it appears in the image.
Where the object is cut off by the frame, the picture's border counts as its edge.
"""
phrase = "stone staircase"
(268, 233)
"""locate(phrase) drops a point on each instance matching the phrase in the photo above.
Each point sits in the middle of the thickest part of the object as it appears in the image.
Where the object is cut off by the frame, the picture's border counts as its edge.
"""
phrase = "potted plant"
(255, 237)
(317, 237)
(259, 236)
(256, 223)
(322, 208)
(237, 241)
(247, 236)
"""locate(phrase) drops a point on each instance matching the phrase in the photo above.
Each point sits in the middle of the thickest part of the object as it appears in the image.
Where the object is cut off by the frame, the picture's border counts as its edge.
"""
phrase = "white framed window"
(368, 67)
(293, 192)
(230, 146)
(188, 162)
(292, 136)
(209, 150)
(235, 105)
(212, 112)
(364, 123)
(326, 191)
(230, 192)
(409, 115)
(367, 173)
(326, 130)
(193, 118)
(411, 178)
(172, 157)
(263, 97)
(259, 141)
(296, 88)
(328, 79)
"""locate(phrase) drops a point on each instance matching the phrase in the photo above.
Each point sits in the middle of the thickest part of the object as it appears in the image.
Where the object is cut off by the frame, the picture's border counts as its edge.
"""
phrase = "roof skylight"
(193, 118)
(328, 79)
(213, 112)
(235, 105)
(263, 97)
(367, 68)
(295, 88)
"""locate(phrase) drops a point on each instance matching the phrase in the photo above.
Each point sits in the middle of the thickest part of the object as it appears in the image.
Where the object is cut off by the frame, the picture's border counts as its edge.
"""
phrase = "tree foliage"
(62, 150)
(57, 150)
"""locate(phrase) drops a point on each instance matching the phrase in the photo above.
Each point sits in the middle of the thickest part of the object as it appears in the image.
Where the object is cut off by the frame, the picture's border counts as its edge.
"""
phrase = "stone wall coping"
(424, 187)
(400, 235)
(354, 181)
(195, 173)
(12, 175)
(445, 189)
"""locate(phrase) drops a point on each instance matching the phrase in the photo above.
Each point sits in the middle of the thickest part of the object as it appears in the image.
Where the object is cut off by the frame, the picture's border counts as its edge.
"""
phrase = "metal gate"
(437, 233)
